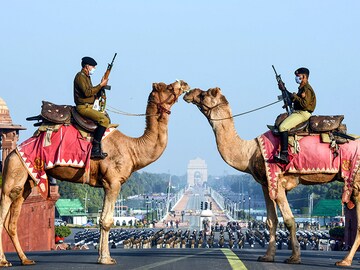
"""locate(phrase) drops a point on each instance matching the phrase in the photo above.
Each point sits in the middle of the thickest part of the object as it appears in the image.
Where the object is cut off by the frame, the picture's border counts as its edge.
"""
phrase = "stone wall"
(36, 223)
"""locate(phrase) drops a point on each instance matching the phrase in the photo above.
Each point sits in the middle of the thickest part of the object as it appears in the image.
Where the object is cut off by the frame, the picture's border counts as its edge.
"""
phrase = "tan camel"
(245, 156)
(125, 155)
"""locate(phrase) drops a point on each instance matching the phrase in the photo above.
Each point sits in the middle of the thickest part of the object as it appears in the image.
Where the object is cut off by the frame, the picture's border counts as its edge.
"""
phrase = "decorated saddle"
(62, 139)
(330, 127)
(312, 156)
(61, 114)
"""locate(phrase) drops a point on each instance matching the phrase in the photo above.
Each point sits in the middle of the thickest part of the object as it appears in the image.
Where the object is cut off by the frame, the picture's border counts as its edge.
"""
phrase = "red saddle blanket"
(65, 147)
(313, 157)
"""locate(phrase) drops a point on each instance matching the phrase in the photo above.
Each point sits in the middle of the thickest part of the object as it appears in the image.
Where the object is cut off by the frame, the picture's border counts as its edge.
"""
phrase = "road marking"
(157, 264)
(234, 261)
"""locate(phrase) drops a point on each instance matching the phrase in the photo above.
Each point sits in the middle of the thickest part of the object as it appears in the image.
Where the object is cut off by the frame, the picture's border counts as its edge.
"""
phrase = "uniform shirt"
(307, 103)
(84, 91)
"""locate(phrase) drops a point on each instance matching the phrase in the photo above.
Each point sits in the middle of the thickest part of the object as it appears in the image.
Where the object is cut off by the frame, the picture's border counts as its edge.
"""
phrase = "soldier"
(84, 96)
(304, 104)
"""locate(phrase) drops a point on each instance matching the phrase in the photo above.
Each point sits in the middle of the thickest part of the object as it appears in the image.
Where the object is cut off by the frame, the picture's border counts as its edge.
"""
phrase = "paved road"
(179, 259)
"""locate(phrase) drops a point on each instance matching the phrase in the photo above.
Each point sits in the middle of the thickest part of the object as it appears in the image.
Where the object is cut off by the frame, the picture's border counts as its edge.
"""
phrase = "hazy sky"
(228, 44)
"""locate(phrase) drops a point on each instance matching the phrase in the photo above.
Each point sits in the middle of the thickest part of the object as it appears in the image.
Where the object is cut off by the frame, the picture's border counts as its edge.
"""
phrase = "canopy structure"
(328, 208)
(69, 207)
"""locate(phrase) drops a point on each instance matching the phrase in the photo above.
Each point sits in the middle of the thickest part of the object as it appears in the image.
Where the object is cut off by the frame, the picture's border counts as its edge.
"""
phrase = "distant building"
(71, 210)
(9, 133)
(197, 173)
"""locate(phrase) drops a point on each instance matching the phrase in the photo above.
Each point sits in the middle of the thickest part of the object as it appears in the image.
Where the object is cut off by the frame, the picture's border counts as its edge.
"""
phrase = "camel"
(125, 155)
(245, 156)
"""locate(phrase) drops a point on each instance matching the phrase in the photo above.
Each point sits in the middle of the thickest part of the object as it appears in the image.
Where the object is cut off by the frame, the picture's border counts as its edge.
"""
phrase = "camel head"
(206, 101)
(164, 96)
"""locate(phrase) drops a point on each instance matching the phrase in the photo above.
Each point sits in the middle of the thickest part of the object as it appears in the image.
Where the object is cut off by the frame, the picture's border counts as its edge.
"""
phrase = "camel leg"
(290, 224)
(4, 209)
(11, 224)
(271, 222)
(349, 257)
(111, 193)
(14, 178)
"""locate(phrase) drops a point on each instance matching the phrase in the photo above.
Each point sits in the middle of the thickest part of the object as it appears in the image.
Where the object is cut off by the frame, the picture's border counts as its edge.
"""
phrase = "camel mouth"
(184, 89)
(186, 96)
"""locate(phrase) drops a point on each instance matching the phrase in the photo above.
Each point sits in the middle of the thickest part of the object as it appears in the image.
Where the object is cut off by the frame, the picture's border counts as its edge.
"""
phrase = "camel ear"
(154, 85)
(215, 91)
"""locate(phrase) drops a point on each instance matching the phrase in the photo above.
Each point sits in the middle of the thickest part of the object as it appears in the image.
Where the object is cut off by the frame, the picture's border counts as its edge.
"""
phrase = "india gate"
(197, 173)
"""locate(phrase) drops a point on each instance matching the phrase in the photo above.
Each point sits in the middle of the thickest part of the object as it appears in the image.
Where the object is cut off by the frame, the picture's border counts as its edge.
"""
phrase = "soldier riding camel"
(304, 103)
(85, 95)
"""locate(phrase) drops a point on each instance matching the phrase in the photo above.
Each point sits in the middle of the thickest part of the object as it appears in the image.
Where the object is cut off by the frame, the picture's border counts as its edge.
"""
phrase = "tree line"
(139, 183)
(297, 197)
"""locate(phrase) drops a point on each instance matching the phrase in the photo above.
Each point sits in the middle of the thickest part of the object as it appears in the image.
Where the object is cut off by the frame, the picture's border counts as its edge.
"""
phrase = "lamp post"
(147, 209)
(152, 209)
(243, 207)
(85, 203)
(249, 207)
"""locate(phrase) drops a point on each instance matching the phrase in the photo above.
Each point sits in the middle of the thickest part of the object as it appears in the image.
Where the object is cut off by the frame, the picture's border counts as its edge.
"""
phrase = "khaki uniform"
(84, 97)
(304, 104)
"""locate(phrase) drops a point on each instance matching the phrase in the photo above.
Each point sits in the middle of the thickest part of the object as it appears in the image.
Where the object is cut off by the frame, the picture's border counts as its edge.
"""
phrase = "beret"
(302, 70)
(88, 61)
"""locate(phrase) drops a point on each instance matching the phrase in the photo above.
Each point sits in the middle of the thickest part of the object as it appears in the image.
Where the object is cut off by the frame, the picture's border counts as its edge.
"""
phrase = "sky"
(227, 44)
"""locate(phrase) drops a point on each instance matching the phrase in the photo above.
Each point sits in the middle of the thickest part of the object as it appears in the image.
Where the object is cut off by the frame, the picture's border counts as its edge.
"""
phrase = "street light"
(152, 209)
(147, 209)
(243, 207)
(85, 202)
(249, 207)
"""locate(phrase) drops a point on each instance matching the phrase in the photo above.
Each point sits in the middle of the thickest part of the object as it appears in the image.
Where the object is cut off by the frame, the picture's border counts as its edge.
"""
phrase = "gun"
(100, 102)
(107, 72)
(285, 94)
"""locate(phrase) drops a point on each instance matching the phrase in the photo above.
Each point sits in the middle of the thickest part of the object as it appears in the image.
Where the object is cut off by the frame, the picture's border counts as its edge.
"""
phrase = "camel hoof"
(266, 259)
(292, 261)
(28, 262)
(107, 260)
(343, 263)
(5, 264)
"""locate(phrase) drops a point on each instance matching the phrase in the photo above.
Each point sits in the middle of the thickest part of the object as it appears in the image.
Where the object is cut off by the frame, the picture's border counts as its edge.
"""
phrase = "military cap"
(302, 70)
(88, 61)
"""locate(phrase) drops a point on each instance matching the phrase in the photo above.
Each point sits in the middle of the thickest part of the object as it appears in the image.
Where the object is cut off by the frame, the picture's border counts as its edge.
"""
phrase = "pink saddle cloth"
(313, 157)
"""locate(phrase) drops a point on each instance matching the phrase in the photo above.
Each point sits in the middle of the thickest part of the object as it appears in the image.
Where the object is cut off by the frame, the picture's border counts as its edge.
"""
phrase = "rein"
(159, 106)
(233, 116)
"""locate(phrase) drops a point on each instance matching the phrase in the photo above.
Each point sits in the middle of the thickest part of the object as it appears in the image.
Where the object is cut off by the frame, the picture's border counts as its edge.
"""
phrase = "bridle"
(200, 105)
(160, 108)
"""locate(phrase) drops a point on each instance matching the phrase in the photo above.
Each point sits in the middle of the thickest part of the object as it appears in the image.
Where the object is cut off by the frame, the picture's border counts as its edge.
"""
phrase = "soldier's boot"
(96, 151)
(283, 156)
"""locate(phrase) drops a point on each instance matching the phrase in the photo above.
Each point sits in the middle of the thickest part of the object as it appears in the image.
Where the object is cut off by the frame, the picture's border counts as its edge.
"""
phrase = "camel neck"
(235, 151)
(153, 142)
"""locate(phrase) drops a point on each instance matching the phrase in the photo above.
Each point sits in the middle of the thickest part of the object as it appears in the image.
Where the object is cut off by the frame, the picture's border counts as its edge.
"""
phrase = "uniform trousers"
(99, 117)
(293, 120)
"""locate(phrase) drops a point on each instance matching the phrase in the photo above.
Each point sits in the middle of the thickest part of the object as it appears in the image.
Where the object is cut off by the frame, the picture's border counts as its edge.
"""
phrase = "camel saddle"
(62, 114)
(317, 124)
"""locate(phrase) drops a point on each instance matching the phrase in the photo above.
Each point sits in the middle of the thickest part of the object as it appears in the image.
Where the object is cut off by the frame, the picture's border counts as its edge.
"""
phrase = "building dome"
(5, 118)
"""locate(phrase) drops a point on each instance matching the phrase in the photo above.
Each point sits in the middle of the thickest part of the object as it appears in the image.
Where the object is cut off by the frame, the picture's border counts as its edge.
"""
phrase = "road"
(191, 204)
(179, 259)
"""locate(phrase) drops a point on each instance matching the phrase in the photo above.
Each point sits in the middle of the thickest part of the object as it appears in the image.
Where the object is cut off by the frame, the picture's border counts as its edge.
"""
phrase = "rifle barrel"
(112, 62)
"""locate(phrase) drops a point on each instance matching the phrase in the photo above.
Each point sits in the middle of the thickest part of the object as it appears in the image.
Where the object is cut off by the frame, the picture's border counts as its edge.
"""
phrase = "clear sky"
(228, 44)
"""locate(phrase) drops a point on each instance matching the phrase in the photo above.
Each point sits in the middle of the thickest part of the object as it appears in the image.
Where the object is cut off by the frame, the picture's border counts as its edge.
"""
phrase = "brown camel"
(245, 156)
(125, 155)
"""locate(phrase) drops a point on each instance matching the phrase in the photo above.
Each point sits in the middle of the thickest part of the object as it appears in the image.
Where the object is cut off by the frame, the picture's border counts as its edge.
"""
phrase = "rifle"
(100, 102)
(107, 72)
(285, 94)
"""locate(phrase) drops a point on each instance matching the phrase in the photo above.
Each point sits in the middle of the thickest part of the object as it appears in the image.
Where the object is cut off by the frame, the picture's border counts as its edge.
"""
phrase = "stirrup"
(98, 155)
(281, 158)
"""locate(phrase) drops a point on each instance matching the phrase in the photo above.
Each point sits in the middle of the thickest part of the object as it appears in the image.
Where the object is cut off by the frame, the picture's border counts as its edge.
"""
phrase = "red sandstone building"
(36, 222)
